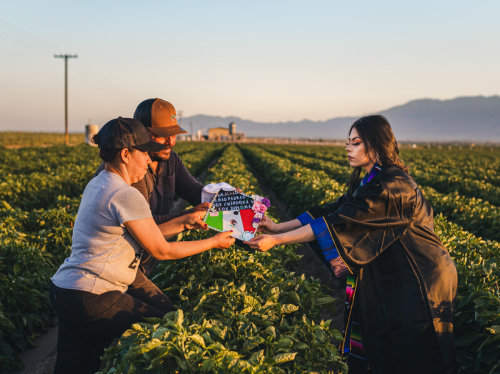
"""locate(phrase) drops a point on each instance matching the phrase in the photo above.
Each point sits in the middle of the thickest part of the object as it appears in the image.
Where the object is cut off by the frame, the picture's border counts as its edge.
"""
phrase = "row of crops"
(239, 310)
(16, 139)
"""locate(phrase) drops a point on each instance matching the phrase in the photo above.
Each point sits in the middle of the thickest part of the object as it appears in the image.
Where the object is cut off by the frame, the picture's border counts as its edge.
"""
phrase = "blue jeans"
(88, 323)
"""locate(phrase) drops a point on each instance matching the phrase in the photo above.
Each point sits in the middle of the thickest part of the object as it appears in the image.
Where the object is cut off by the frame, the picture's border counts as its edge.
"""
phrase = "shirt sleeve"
(128, 204)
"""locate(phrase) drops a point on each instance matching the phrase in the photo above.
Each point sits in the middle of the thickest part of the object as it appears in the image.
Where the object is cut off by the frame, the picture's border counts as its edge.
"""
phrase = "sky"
(267, 61)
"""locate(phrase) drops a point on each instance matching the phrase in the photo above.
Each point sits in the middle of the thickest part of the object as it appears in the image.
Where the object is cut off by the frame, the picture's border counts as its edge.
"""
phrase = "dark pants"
(357, 366)
(88, 323)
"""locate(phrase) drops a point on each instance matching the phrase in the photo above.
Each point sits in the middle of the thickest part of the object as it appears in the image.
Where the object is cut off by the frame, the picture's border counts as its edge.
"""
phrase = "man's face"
(165, 154)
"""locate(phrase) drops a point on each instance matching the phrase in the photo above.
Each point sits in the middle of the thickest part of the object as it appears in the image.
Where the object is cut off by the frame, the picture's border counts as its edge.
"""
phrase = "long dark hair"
(377, 136)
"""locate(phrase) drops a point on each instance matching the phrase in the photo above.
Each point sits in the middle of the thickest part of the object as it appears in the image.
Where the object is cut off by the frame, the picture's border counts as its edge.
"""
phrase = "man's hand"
(203, 207)
(223, 240)
(194, 220)
(262, 242)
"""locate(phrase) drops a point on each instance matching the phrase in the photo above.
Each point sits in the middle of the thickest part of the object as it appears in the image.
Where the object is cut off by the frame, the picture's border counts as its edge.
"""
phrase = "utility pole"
(66, 135)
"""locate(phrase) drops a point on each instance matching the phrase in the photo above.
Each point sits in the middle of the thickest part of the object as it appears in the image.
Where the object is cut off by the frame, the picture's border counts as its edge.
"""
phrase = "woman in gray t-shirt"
(90, 291)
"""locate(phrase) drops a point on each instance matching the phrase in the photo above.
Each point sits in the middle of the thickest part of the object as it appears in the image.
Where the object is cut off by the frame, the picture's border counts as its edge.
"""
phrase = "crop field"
(242, 311)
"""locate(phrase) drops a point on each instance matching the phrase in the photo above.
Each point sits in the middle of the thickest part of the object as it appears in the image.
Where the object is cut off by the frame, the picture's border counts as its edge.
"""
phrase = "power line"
(21, 36)
(66, 57)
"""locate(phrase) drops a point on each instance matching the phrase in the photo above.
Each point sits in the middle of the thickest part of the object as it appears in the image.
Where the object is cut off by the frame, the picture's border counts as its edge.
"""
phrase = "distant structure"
(90, 131)
(225, 133)
(218, 133)
(215, 134)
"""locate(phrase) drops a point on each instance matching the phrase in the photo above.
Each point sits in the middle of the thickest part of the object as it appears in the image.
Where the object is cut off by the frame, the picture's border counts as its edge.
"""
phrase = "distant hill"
(461, 119)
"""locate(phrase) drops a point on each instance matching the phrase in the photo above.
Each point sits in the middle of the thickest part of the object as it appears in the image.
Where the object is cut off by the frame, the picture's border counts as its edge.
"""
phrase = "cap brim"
(151, 147)
(167, 131)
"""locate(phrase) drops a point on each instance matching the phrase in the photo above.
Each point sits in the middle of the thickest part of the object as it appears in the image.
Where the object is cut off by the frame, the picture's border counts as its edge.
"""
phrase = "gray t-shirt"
(104, 256)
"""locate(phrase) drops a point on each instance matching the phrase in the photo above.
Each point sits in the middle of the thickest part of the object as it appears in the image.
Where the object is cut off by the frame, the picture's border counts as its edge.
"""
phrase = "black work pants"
(88, 323)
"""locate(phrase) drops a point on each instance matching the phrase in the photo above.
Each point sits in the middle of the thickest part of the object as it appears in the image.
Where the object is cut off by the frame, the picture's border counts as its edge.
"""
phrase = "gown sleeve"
(324, 245)
(319, 211)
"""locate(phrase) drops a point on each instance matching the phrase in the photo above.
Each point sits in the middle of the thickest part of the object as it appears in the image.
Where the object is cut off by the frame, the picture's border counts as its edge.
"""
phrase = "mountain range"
(464, 119)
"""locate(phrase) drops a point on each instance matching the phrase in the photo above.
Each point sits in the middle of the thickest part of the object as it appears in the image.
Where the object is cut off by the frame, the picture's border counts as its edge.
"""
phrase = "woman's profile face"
(356, 152)
(138, 165)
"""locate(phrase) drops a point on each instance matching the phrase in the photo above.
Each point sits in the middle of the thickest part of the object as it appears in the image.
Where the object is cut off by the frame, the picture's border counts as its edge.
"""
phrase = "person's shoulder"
(393, 176)
(175, 160)
(125, 194)
(114, 183)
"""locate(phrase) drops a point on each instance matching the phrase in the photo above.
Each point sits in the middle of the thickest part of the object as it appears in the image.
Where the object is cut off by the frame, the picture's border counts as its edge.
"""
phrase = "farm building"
(225, 133)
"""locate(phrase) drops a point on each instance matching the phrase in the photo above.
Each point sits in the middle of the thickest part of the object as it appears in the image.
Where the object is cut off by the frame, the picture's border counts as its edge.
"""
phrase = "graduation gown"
(406, 280)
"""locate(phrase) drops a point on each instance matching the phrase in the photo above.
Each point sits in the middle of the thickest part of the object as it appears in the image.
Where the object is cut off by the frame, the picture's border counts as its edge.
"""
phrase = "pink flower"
(259, 207)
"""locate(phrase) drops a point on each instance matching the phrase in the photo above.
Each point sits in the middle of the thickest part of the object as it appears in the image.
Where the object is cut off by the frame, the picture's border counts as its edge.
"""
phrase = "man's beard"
(156, 156)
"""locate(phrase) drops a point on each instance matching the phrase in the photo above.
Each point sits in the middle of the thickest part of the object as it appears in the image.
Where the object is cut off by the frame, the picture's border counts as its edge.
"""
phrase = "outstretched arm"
(265, 242)
(268, 226)
(150, 237)
(189, 221)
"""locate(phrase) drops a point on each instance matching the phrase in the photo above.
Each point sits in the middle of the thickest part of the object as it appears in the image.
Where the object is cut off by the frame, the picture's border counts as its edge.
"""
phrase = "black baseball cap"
(122, 133)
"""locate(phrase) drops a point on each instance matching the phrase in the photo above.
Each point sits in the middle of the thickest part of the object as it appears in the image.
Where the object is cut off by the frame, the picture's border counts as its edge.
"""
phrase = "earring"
(377, 158)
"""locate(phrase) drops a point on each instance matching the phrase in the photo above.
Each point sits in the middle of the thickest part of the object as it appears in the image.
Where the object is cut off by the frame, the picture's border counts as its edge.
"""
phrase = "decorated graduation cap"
(234, 211)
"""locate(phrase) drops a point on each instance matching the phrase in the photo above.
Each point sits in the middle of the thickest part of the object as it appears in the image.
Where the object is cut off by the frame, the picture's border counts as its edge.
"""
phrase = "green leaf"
(198, 339)
(284, 357)
(150, 345)
(325, 300)
(137, 327)
(179, 317)
(289, 308)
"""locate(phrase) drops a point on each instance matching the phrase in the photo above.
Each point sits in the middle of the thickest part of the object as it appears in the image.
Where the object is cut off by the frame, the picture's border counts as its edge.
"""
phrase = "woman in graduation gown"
(401, 282)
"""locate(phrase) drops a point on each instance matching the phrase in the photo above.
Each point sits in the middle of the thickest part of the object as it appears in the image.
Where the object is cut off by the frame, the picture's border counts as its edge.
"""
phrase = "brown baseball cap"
(159, 116)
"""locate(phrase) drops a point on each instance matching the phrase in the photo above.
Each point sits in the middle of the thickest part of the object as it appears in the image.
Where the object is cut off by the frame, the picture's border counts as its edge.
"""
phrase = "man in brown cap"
(167, 176)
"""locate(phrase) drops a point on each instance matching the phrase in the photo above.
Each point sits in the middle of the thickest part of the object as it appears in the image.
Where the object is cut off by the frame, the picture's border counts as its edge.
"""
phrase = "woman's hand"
(194, 220)
(262, 242)
(339, 268)
(223, 240)
(267, 226)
